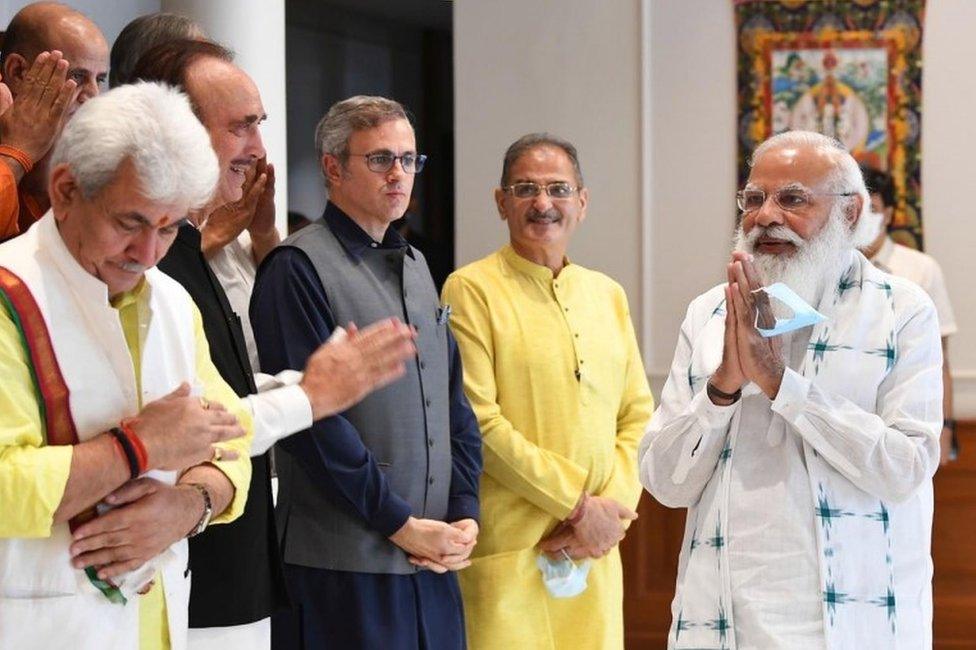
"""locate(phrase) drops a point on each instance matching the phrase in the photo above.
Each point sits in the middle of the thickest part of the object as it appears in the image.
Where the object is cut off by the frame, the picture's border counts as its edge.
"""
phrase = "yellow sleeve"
(216, 389)
(32, 476)
(636, 407)
(549, 480)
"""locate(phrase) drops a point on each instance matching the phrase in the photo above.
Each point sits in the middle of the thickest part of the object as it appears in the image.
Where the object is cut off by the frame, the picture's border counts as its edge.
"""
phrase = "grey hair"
(140, 36)
(349, 115)
(846, 175)
(150, 124)
(534, 140)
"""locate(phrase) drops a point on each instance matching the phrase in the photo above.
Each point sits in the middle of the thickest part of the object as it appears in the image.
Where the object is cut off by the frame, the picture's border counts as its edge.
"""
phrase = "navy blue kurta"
(291, 318)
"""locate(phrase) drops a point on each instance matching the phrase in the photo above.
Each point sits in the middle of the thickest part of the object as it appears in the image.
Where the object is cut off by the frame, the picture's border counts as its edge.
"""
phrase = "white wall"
(948, 143)
(571, 67)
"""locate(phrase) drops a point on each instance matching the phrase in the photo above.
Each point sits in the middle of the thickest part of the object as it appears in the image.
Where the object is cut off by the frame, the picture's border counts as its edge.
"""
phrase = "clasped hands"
(747, 355)
(596, 525)
(436, 545)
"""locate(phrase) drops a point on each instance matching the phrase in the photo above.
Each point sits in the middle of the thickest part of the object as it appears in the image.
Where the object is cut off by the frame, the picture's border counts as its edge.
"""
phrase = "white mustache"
(132, 267)
(773, 232)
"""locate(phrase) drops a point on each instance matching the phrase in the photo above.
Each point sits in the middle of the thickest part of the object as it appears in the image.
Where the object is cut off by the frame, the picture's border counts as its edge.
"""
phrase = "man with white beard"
(806, 459)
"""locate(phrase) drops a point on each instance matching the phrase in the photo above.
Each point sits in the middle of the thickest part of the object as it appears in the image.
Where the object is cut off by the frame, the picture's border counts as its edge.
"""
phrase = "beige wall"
(571, 67)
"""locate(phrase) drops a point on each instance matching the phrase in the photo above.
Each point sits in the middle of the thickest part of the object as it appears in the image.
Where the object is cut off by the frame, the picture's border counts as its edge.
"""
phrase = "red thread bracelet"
(140, 449)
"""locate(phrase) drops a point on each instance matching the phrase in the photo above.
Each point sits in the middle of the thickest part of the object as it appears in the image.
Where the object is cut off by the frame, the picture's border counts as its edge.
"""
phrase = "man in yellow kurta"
(98, 353)
(552, 369)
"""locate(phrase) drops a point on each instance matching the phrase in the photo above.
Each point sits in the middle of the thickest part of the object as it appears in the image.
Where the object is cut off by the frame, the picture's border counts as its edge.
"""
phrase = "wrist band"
(949, 423)
(130, 453)
(140, 449)
(20, 156)
(715, 393)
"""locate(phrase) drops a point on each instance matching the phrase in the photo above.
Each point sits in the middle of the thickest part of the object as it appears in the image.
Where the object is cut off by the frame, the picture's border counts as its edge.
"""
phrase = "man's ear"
(63, 190)
(584, 198)
(500, 202)
(853, 210)
(14, 68)
(331, 168)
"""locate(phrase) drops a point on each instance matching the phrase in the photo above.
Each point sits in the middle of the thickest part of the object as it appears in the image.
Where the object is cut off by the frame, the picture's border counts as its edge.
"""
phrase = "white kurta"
(858, 422)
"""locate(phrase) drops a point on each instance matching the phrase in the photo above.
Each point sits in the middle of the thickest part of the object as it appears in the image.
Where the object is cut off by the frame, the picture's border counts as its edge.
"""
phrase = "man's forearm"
(218, 485)
(97, 469)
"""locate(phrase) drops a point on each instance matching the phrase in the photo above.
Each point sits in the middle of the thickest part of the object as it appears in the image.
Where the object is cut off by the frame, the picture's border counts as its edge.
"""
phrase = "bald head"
(228, 103)
(45, 26)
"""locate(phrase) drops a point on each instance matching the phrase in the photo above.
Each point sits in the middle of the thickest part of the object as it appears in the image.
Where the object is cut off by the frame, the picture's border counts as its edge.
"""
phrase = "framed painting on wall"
(850, 69)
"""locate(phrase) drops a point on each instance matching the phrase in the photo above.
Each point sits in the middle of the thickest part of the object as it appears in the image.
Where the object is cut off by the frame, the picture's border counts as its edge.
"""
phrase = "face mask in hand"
(563, 578)
(803, 314)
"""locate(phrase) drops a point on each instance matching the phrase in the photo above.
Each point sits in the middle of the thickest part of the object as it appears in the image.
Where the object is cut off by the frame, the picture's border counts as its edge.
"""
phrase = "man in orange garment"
(70, 62)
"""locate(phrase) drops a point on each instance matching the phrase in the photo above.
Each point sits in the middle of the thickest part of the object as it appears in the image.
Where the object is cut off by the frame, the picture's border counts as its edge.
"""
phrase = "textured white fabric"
(924, 271)
(864, 407)
(235, 268)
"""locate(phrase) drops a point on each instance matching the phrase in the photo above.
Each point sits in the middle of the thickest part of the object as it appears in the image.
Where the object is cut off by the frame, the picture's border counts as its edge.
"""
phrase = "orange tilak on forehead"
(164, 222)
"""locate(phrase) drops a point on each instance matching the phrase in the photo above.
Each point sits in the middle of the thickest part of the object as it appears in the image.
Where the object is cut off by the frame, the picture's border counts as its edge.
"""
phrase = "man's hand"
(224, 224)
(728, 377)
(441, 543)
(34, 120)
(760, 358)
(343, 371)
(945, 446)
(457, 561)
(264, 235)
(599, 529)
(178, 432)
(150, 516)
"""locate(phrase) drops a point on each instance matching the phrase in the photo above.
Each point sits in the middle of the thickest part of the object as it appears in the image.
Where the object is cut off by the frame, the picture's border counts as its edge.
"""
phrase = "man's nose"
(143, 247)
(769, 213)
(542, 201)
(255, 145)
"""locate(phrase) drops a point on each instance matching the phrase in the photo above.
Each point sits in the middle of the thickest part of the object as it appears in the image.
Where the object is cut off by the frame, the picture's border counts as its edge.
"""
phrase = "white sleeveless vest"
(44, 601)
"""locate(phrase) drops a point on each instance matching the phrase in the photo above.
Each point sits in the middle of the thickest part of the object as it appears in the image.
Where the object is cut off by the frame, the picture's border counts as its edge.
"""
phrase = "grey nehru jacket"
(404, 425)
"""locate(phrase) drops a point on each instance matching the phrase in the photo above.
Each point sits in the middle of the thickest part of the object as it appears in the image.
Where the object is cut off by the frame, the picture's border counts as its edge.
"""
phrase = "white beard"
(814, 265)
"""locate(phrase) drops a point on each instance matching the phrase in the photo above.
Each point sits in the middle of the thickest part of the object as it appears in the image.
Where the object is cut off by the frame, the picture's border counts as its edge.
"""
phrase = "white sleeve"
(684, 440)
(890, 452)
(279, 409)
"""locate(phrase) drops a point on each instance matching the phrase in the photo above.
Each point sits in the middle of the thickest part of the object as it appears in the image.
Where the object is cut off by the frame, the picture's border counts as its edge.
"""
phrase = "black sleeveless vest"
(237, 572)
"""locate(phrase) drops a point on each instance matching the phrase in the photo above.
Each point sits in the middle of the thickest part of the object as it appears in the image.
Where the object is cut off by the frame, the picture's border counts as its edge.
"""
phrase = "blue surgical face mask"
(803, 314)
(563, 578)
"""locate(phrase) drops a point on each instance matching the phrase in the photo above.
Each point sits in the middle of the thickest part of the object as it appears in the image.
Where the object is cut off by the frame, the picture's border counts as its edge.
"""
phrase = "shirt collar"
(537, 271)
(356, 240)
(883, 257)
(83, 283)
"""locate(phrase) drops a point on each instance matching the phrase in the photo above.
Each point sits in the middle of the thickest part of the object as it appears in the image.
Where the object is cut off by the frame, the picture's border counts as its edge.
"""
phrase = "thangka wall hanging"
(851, 69)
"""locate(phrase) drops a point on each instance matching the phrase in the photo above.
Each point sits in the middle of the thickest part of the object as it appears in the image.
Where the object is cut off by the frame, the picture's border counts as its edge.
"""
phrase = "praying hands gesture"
(34, 119)
(225, 223)
(594, 527)
(747, 355)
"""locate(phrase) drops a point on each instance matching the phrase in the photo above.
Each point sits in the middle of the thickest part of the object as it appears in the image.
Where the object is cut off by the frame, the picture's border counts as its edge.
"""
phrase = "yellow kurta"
(553, 372)
(33, 477)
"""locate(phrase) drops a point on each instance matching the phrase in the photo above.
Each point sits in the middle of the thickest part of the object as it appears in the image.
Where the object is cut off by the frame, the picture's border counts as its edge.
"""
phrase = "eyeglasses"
(527, 190)
(383, 161)
(791, 199)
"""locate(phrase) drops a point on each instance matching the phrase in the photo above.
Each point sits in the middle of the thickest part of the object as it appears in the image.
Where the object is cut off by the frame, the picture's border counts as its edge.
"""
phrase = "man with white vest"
(803, 447)
(110, 408)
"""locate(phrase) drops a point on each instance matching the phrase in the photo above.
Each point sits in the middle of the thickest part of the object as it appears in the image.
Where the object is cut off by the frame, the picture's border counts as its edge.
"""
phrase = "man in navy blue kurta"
(378, 506)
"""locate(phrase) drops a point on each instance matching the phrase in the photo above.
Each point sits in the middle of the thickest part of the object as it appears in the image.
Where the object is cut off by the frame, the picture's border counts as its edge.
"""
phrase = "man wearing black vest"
(237, 576)
(379, 505)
